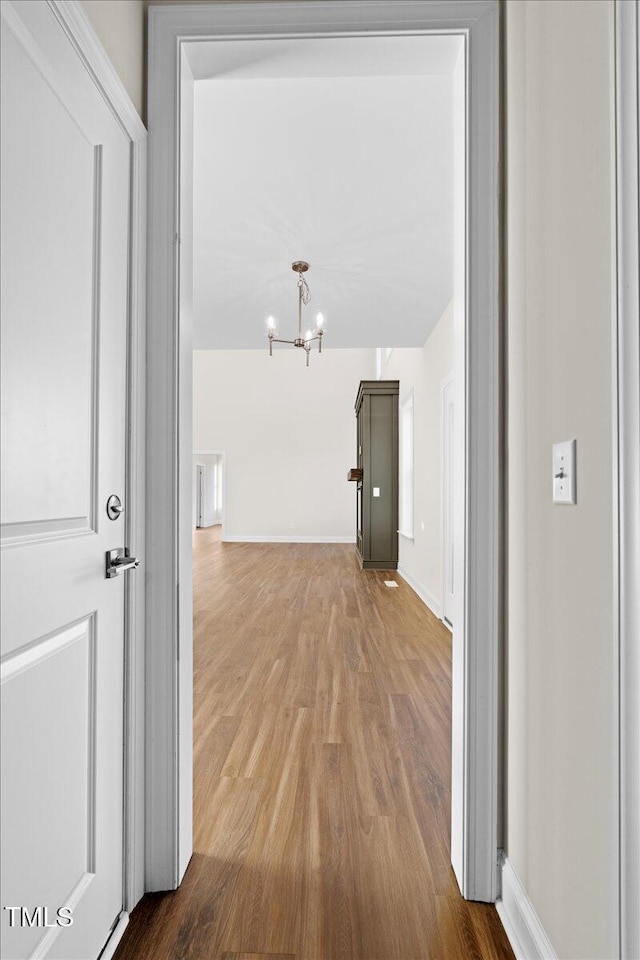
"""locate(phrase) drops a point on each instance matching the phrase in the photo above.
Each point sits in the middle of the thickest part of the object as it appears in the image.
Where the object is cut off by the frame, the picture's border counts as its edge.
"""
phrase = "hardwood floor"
(322, 766)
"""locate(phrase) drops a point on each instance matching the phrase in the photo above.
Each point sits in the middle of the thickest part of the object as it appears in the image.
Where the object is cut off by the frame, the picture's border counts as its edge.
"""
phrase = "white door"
(65, 211)
(448, 499)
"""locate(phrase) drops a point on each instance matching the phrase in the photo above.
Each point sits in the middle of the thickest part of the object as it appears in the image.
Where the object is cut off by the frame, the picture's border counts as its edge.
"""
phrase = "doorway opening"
(474, 838)
(208, 489)
(377, 126)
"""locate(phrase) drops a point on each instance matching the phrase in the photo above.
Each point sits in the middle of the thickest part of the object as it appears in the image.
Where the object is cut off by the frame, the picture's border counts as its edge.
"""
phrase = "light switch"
(376, 491)
(564, 472)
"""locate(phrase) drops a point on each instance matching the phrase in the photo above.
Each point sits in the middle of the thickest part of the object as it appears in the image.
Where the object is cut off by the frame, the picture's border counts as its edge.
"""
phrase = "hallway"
(321, 755)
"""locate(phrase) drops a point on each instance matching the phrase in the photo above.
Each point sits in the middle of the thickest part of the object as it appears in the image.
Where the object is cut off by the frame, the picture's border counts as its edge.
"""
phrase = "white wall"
(288, 433)
(561, 793)
(422, 371)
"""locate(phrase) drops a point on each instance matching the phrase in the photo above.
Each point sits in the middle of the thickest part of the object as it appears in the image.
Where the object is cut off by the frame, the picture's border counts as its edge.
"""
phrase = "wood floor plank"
(322, 768)
(257, 956)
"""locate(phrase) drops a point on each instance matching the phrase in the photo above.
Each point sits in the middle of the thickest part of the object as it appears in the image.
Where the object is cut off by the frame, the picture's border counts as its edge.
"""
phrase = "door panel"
(57, 673)
(65, 243)
(384, 538)
(52, 228)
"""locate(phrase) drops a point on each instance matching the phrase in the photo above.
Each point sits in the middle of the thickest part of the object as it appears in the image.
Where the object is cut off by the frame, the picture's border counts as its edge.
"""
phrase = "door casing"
(476, 667)
(199, 494)
(626, 458)
(448, 546)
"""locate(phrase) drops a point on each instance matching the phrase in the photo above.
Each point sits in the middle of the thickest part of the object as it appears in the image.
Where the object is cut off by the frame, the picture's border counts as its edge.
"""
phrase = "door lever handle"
(117, 561)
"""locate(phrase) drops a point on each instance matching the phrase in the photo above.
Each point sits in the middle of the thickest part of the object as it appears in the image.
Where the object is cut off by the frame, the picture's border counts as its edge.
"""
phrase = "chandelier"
(304, 296)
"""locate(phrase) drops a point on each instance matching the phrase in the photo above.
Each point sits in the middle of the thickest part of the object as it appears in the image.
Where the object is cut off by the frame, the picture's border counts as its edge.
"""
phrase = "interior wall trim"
(626, 460)
(75, 23)
(526, 934)
(261, 538)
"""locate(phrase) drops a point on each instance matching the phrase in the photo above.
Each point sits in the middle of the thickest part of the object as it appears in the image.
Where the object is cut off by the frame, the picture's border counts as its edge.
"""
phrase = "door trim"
(626, 461)
(199, 495)
(82, 36)
(169, 729)
(444, 384)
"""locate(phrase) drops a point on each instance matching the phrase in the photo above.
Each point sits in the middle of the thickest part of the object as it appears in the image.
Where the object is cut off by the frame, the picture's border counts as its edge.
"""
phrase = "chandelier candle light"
(304, 296)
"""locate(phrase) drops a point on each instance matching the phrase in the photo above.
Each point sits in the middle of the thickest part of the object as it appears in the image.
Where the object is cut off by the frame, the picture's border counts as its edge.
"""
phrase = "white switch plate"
(564, 472)
(376, 491)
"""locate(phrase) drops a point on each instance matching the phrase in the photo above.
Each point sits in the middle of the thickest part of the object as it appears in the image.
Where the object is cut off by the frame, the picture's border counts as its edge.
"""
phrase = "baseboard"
(424, 595)
(378, 564)
(526, 934)
(260, 538)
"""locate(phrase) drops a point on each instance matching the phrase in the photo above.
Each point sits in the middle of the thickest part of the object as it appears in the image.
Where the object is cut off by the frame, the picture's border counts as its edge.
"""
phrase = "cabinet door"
(382, 483)
(365, 463)
(359, 519)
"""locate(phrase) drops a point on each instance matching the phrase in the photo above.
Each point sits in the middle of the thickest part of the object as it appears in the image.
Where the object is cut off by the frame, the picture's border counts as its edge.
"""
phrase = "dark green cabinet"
(377, 488)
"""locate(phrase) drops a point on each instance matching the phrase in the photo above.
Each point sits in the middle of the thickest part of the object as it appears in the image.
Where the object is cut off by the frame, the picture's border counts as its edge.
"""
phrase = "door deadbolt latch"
(114, 507)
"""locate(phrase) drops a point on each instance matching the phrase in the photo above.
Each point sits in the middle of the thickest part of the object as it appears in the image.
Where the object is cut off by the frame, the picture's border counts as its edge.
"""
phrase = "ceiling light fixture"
(304, 296)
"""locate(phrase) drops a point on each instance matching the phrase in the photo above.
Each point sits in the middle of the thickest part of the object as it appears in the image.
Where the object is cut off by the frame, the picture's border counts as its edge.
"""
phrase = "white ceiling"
(341, 155)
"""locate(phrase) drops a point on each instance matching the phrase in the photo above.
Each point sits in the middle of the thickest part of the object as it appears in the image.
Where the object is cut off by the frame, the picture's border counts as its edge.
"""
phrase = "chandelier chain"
(305, 293)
